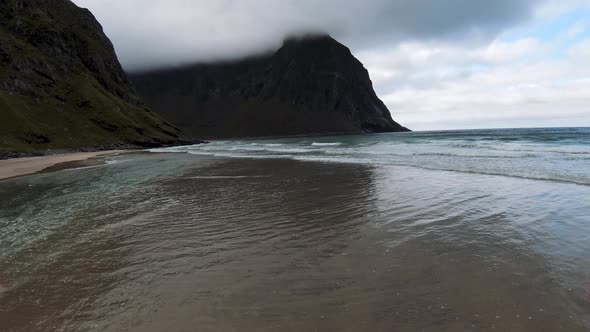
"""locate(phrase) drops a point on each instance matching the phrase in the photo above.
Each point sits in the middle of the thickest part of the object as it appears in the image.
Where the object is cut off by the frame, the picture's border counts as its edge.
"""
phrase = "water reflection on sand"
(182, 243)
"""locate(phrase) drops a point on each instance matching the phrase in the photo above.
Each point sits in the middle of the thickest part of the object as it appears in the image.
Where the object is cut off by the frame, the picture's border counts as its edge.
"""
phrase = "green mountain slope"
(61, 85)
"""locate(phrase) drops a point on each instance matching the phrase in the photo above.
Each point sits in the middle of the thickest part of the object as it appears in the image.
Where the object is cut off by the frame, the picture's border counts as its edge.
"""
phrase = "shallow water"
(180, 242)
(558, 154)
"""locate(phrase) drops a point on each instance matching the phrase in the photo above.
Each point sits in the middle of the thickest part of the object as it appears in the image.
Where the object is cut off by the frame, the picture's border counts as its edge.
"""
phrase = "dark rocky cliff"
(311, 85)
(61, 85)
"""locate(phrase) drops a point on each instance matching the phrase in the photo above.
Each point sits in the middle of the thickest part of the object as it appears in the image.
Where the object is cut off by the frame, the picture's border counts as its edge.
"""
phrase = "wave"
(562, 179)
(353, 160)
(267, 144)
(167, 150)
(248, 156)
(542, 149)
(224, 177)
(391, 162)
(259, 148)
(429, 154)
(326, 144)
(563, 161)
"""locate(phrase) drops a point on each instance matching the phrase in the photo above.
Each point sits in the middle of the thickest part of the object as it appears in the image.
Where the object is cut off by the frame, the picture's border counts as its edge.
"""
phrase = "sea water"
(485, 230)
(559, 154)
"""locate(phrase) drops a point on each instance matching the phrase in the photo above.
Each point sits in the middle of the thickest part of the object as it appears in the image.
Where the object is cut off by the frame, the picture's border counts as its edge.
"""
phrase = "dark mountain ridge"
(311, 85)
(61, 84)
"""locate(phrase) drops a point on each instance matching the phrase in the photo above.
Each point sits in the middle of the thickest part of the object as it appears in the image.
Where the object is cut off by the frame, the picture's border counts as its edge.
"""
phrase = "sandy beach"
(11, 168)
(178, 242)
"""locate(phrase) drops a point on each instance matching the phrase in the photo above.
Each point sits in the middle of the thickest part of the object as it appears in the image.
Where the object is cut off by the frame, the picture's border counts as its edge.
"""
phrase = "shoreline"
(180, 207)
(7, 155)
(17, 167)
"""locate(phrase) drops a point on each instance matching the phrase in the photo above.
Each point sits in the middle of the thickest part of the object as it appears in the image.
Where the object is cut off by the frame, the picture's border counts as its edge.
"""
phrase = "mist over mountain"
(311, 85)
(153, 34)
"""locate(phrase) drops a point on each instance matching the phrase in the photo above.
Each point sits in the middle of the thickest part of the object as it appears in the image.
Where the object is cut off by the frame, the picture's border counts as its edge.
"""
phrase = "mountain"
(61, 85)
(311, 85)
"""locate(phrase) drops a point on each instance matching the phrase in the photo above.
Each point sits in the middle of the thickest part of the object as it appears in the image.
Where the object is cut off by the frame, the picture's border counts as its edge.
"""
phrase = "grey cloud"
(151, 33)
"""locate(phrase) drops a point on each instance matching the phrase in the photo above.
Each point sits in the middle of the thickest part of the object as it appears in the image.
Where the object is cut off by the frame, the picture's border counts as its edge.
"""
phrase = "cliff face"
(61, 85)
(312, 85)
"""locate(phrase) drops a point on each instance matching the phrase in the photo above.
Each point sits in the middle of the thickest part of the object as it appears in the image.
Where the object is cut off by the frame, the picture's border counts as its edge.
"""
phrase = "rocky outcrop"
(61, 85)
(311, 85)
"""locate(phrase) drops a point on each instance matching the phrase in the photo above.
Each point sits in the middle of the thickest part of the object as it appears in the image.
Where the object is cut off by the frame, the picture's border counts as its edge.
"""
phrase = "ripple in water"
(184, 242)
(554, 154)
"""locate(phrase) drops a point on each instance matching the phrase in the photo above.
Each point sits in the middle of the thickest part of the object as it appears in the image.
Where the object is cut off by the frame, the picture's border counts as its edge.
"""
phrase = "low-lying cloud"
(154, 33)
(436, 64)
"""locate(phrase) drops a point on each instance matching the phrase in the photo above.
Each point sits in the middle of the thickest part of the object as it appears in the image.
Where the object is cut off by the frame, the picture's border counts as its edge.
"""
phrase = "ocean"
(475, 230)
(558, 154)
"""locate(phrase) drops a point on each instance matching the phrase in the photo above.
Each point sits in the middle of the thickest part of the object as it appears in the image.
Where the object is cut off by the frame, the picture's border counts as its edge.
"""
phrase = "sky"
(453, 64)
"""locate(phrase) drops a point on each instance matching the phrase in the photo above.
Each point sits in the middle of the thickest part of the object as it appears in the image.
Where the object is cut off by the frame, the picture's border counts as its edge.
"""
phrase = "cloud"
(151, 33)
(576, 29)
(502, 84)
(436, 64)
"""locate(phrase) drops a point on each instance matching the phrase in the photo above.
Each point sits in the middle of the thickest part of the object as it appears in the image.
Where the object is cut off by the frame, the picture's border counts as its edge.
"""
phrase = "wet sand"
(11, 168)
(175, 242)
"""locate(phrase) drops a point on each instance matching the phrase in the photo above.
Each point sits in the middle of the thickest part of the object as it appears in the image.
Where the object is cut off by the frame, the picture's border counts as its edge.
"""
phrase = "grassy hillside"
(61, 85)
